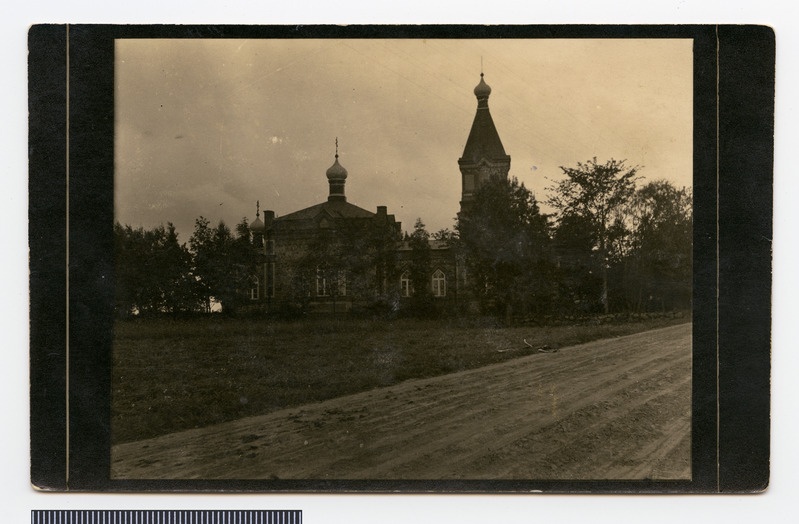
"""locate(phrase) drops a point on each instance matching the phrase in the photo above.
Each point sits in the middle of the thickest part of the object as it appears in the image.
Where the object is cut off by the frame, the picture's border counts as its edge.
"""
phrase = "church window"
(342, 284)
(405, 284)
(255, 290)
(439, 284)
(321, 283)
(468, 183)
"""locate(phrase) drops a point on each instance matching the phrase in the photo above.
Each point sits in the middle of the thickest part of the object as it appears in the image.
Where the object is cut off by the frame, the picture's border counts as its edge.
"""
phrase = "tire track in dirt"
(571, 441)
(612, 443)
(473, 424)
(512, 423)
(436, 430)
(503, 414)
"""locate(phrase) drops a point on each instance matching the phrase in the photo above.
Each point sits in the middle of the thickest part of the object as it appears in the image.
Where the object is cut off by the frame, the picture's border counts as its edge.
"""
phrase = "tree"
(596, 195)
(577, 278)
(505, 239)
(351, 257)
(130, 253)
(203, 257)
(240, 259)
(421, 303)
(446, 235)
(324, 269)
(223, 264)
(659, 265)
(153, 271)
(174, 268)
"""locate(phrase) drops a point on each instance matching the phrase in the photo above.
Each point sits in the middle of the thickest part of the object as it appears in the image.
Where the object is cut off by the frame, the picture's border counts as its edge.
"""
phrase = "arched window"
(439, 284)
(255, 289)
(342, 283)
(321, 283)
(405, 284)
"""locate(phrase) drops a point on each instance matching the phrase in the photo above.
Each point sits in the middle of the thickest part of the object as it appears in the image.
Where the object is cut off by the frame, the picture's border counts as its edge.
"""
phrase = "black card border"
(71, 79)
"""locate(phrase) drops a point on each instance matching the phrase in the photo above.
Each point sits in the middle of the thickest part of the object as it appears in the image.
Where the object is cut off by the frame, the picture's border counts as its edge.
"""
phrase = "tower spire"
(483, 155)
(257, 209)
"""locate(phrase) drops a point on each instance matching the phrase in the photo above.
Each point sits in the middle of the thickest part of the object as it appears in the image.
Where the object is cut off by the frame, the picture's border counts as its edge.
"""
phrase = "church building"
(325, 258)
(336, 257)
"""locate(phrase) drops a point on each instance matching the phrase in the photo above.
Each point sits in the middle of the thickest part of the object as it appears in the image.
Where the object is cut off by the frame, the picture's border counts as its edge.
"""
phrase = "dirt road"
(611, 409)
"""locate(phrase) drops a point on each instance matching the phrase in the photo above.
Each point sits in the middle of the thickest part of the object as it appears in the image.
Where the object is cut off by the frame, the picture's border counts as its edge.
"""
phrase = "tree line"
(157, 274)
(612, 245)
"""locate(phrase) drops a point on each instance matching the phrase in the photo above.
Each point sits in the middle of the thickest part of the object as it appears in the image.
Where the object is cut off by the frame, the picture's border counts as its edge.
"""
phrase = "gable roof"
(334, 208)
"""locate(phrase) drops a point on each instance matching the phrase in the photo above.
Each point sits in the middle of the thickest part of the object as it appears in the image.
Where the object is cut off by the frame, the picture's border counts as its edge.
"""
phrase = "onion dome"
(257, 226)
(336, 176)
(482, 91)
(336, 171)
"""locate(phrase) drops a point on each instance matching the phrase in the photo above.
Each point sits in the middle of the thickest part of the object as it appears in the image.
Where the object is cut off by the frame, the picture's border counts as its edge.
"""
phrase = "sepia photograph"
(403, 259)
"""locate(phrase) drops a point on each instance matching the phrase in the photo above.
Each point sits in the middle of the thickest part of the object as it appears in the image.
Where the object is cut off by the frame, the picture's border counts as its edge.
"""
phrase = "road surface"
(610, 409)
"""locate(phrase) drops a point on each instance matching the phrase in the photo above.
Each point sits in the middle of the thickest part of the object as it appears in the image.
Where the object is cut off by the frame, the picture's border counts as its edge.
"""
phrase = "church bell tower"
(483, 155)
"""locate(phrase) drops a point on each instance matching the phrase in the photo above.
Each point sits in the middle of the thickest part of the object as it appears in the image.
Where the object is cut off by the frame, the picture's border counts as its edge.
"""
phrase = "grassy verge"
(170, 375)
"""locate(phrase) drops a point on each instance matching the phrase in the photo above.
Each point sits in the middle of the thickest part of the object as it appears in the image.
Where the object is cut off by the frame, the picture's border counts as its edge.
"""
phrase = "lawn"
(170, 375)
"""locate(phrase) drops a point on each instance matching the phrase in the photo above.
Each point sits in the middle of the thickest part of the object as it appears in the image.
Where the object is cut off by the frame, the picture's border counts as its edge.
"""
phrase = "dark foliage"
(506, 244)
(614, 248)
(592, 197)
(422, 303)
(223, 264)
(656, 270)
(352, 258)
(153, 272)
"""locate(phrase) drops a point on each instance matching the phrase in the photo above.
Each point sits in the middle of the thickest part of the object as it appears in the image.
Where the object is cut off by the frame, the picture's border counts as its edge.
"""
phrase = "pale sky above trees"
(207, 127)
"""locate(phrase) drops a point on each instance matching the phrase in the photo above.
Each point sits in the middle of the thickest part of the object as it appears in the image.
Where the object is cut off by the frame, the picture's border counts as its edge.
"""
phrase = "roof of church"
(335, 208)
(483, 141)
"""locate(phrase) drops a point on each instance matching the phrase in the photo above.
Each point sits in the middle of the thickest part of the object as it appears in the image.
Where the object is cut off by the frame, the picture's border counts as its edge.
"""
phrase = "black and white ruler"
(166, 517)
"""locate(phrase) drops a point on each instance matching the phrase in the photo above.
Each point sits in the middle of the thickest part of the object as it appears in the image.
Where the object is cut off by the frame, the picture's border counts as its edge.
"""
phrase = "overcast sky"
(207, 127)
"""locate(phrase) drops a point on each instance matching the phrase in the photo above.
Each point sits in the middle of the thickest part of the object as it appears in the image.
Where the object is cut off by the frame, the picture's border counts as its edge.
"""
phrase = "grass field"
(170, 375)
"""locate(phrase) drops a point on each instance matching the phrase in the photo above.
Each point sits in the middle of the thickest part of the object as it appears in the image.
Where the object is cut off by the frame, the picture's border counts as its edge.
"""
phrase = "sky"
(209, 127)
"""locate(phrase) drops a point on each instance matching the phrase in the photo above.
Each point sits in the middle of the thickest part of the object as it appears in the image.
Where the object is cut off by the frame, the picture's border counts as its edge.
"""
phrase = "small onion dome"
(257, 226)
(482, 90)
(336, 171)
